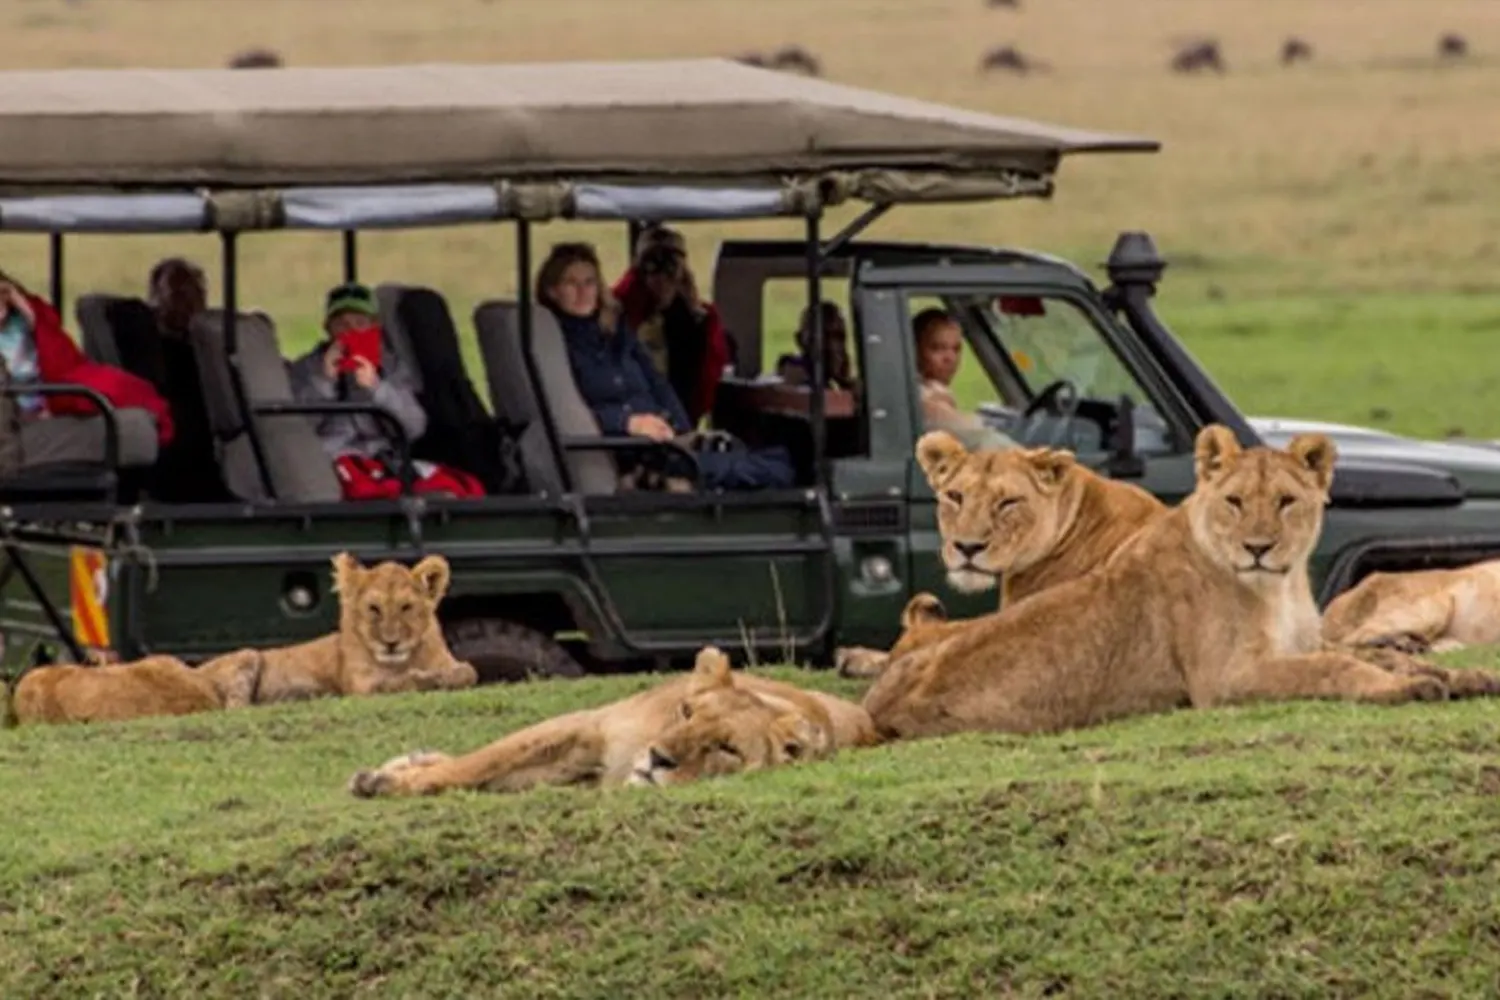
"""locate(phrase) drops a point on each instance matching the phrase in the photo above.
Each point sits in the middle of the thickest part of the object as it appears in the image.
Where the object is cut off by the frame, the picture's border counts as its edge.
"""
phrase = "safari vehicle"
(573, 574)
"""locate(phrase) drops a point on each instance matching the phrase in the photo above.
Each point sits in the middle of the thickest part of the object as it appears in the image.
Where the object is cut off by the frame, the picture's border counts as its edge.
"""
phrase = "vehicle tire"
(504, 651)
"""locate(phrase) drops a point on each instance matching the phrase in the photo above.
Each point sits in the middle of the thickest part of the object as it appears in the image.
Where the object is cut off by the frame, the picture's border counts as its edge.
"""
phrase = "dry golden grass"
(1371, 166)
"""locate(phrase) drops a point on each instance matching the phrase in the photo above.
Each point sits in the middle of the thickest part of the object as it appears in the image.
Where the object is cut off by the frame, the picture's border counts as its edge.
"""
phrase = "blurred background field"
(1332, 224)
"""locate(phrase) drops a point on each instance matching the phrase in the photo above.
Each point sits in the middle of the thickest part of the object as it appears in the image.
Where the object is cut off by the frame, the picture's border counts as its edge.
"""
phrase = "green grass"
(1306, 850)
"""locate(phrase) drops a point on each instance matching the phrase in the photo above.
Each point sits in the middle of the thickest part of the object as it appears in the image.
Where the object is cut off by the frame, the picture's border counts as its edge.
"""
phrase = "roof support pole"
(860, 223)
(351, 256)
(55, 269)
(819, 379)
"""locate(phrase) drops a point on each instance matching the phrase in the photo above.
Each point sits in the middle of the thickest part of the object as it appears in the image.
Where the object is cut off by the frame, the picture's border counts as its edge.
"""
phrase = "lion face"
(1258, 512)
(389, 608)
(722, 729)
(999, 511)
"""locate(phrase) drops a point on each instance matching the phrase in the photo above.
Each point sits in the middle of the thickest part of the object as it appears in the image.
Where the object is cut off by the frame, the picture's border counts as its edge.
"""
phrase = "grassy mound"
(1304, 850)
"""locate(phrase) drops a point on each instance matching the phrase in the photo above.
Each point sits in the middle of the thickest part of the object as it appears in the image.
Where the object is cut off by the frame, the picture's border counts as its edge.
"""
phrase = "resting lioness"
(708, 722)
(1033, 517)
(156, 685)
(1209, 604)
(389, 638)
(1437, 609)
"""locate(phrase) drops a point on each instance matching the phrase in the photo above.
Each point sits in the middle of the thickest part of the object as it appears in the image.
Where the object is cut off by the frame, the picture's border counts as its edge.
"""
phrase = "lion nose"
(660, 761)
(968, 549)
(1258, 550)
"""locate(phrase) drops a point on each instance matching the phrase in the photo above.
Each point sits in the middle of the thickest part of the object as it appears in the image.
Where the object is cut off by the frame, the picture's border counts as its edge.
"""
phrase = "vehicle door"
(1042, 364)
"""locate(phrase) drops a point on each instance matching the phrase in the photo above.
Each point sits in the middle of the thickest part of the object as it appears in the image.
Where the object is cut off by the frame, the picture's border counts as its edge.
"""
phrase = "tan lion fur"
(1437, 610)
(708, 722)
(389, 638)
(1031, 517)
(1209, 604)
(156, 685)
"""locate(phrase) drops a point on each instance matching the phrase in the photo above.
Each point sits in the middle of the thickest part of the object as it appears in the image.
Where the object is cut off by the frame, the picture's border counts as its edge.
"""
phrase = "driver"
(939, 350)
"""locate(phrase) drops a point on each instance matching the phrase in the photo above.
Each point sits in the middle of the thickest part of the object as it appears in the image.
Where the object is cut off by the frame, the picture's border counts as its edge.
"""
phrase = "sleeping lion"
(710, 721)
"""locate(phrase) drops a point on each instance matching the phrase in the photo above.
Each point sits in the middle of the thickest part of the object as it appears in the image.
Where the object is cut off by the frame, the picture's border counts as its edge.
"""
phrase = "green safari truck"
(573, 574)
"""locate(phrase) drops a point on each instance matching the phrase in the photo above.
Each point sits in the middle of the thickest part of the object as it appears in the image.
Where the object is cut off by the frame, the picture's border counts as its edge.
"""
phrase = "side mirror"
(1123, 462)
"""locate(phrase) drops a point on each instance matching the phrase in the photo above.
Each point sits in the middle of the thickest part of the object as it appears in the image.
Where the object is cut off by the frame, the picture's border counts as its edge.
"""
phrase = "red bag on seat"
(365, 478)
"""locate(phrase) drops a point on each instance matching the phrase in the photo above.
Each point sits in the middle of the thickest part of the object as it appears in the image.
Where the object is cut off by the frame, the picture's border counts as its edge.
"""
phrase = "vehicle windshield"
(1042, 373)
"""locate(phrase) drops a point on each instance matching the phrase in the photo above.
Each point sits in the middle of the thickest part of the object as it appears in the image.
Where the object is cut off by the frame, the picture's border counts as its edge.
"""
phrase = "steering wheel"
(1060, 399)
(1056, 398)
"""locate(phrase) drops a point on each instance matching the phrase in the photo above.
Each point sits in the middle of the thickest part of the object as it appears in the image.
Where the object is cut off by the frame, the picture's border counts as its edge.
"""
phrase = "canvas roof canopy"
(666, 121)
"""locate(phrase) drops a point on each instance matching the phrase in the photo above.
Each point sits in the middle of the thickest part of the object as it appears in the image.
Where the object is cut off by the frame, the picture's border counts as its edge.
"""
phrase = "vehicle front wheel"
(504, 651)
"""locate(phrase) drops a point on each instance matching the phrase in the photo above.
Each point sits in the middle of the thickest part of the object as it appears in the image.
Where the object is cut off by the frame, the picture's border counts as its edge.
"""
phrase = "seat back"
(461, 432)
(94, 330)
(298, 468)
(498, 325)
(400, 342)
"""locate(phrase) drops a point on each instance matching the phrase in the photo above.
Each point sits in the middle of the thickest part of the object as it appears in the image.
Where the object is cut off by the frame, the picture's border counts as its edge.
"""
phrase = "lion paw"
(1472, 683)
(388, 777)
(859, 662)
(1425, 687)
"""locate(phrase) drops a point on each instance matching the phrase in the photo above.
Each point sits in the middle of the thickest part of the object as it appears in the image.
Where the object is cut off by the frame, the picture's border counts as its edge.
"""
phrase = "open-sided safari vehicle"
(571, 573)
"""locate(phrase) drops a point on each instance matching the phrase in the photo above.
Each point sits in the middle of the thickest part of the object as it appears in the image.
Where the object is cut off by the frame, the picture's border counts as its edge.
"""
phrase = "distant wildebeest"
(751, 59)
(795, 59)
(1295, 50)
(1198, 56)
(1009, 58)
(1452, 46)
(1003, 3)
(255, 59)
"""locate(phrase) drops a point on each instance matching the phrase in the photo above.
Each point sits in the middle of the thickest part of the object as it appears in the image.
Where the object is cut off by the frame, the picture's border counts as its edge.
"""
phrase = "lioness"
(1437, 609)
(710, 721)
(1209, 604)
(1033, 517)
(156, 685)
(389, 638)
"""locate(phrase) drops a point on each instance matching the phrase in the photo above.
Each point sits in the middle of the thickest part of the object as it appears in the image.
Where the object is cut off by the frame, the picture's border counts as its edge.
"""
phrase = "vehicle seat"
(92, 312)
(122, 331)
(298, 468)
(498, 325)
(460, 430)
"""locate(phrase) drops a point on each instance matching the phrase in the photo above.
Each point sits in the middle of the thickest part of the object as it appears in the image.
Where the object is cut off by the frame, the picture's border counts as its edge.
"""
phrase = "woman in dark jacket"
(615, 376)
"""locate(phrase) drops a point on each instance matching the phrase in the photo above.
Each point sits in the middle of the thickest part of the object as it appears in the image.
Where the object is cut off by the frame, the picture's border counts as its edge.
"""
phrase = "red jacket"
(58, 359)
(635, 299)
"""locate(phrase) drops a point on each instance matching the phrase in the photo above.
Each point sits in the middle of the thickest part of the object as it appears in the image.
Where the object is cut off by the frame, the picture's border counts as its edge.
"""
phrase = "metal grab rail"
(388, 422)
(104, 406)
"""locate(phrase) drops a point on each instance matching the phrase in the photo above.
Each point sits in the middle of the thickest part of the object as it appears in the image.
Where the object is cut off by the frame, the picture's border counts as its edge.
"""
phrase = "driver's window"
(1028, 370)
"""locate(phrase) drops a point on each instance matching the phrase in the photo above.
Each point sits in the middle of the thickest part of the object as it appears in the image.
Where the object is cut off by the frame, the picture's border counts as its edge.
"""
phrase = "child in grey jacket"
(315, 377)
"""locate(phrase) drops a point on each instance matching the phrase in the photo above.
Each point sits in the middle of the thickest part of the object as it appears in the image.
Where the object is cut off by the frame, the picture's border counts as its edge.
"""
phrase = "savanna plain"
(1331, 228)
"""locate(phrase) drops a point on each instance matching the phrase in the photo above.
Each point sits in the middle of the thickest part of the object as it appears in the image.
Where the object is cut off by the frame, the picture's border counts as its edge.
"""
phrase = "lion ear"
(924, 608)
(940, 454)
(432, 575)
(1316, 451)
(346, 570)
(1050, 465)
(1215, 446)
(711, 670)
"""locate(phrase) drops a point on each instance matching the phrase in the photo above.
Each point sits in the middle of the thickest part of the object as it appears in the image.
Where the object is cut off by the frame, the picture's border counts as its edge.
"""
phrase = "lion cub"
(389, 638)
(1030, 517)
(708, 722)
(1209, 604)
(1435, 610)
(156, 685)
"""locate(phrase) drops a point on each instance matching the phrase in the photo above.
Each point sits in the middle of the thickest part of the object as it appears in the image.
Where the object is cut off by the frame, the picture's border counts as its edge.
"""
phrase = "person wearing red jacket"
(683, 334)
(57, 428)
